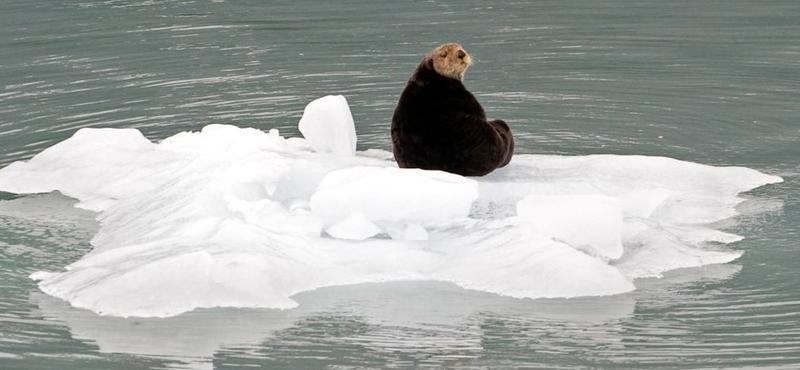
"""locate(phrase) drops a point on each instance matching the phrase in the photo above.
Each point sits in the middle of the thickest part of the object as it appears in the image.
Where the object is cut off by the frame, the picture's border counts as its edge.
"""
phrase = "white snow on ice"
(238, 217)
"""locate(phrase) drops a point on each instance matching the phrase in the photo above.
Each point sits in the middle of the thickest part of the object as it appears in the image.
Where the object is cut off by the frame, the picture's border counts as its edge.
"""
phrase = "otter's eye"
(444, 55)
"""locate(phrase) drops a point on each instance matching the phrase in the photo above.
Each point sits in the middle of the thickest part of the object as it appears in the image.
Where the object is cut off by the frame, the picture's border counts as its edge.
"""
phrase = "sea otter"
(439, 125)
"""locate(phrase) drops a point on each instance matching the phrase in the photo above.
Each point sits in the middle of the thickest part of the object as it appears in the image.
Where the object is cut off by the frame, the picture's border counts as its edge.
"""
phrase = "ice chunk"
(354, 227)
(234, 217)
(591, 223)
(393, 194)
(328, 126)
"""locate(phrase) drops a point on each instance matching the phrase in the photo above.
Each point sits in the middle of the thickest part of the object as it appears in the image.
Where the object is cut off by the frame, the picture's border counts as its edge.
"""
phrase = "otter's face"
(450, 60)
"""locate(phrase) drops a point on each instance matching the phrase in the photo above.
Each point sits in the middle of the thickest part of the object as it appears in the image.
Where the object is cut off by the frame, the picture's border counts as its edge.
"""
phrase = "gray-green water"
(714, 82)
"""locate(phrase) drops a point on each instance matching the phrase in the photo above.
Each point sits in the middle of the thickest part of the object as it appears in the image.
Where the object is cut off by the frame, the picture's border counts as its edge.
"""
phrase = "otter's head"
(449, 60)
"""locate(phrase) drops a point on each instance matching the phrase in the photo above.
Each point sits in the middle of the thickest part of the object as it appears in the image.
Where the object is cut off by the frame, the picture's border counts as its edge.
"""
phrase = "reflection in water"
(428, 322)
(392, 325)
(192, 338)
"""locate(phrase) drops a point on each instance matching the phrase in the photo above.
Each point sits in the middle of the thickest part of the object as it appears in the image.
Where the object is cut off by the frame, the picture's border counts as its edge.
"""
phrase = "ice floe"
(238, 217)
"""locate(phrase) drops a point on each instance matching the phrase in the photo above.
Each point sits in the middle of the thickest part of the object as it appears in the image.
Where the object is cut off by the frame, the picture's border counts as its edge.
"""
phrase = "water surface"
(713, 82)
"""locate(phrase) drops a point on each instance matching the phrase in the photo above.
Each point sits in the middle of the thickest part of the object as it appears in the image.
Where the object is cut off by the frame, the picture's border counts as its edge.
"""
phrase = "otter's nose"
(461, 54)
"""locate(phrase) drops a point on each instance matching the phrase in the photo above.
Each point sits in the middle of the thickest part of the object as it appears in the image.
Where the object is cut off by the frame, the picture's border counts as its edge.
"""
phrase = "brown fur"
(439, 125)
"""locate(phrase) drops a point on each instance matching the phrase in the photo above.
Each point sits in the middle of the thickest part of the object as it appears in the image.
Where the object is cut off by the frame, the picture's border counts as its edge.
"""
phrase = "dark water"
(715, 82)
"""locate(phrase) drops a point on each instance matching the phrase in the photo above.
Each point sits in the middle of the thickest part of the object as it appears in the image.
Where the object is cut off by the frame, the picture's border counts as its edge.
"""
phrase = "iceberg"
(239, 217)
